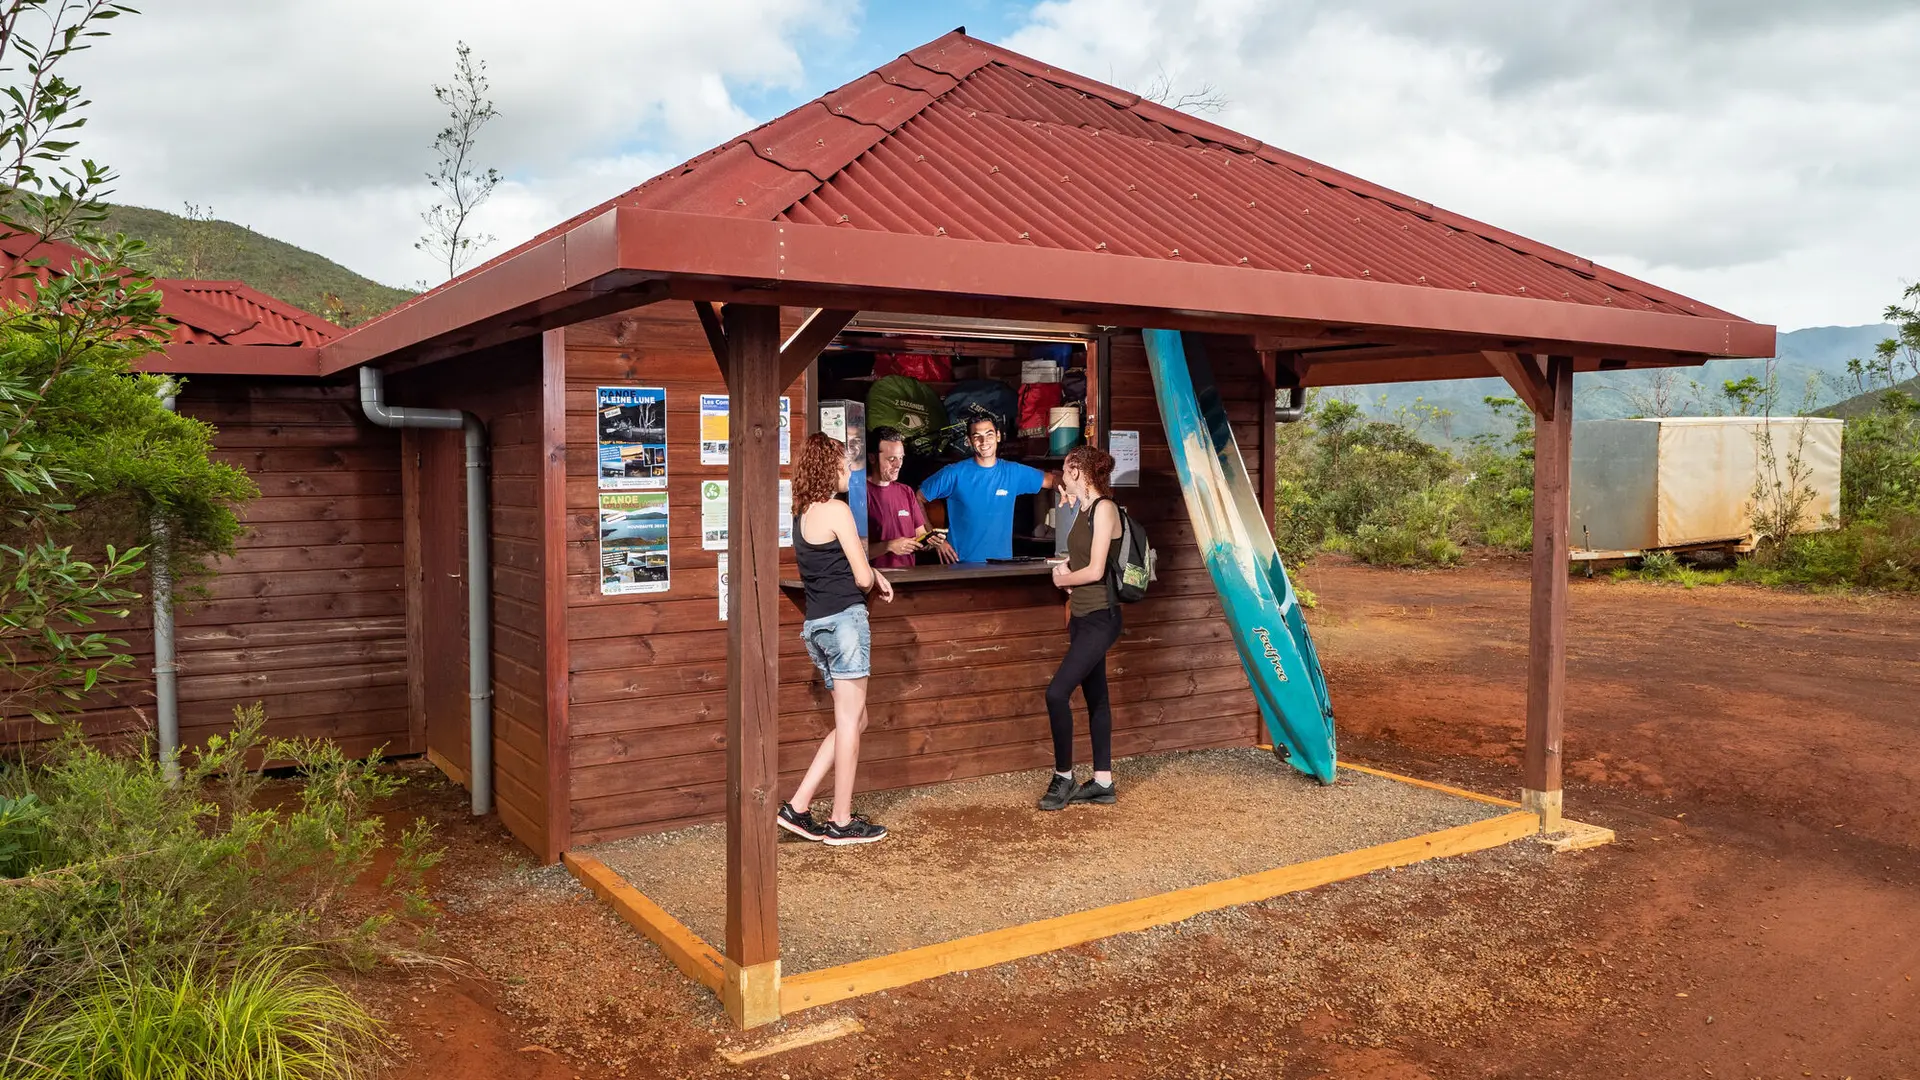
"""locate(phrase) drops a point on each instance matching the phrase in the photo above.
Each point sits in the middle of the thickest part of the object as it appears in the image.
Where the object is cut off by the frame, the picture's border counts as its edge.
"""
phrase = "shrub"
(1499, 486)
(1665, 567)
(131, 870)
(268, 1017)
(1880, 459)
(1872, 554)
(1368, 487)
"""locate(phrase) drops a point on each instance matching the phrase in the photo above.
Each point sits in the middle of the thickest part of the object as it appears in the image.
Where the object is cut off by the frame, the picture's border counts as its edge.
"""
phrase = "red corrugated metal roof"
(202, 312)
(964, 139)
(231, 313)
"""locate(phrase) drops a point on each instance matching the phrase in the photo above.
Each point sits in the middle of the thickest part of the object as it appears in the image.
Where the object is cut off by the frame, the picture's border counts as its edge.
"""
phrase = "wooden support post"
(557, 668)
(1547, 628)
(752, 988)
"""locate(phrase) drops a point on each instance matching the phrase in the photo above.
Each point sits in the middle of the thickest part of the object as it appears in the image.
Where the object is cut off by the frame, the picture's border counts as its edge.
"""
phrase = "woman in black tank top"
(836, 575)
(1093, 626)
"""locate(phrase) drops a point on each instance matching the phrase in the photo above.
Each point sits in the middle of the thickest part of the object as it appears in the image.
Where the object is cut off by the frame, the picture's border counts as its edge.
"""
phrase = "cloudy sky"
(1760, 156)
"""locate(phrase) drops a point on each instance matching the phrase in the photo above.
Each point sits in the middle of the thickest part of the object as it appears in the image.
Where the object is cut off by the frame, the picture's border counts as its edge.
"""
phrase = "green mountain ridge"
(1809, 369)
(208, 249)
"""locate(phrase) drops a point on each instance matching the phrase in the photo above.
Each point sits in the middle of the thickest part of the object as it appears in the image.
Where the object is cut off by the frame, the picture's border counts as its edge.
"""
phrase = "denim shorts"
(841, 645)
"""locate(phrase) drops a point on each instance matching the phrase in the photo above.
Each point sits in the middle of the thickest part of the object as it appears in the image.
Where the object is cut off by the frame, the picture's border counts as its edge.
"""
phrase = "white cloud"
(1759, 157)
(312, 121)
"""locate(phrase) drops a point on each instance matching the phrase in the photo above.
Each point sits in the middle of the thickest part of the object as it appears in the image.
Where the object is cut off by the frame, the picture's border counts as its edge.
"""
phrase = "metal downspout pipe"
(166, 686)
(479, 573)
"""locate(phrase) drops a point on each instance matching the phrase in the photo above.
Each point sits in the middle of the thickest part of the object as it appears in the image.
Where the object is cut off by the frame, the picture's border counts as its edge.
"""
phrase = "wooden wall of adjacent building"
(308, 616)
(960, 671)
(502, 388)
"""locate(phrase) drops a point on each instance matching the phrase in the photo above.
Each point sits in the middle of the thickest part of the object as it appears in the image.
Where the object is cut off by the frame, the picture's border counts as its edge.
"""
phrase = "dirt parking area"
(1756, 752)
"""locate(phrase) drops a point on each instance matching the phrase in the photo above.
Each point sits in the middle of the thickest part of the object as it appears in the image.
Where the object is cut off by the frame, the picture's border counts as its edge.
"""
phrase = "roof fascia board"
(531, 280)
(211, 359)
(783, 253)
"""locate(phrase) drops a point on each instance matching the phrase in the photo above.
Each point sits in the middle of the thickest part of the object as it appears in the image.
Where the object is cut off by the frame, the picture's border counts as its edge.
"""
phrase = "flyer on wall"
(713, 514)
(632, 429)
(723, 586)
(633, 543)
(1125, 448)
(714, 430)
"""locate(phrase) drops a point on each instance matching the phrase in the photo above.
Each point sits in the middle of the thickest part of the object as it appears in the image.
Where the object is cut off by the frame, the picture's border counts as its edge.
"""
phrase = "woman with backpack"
(834, 570)
(1093, 625)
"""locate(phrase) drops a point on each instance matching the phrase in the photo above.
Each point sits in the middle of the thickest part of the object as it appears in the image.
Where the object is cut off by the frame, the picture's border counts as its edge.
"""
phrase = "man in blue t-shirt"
(980, 495)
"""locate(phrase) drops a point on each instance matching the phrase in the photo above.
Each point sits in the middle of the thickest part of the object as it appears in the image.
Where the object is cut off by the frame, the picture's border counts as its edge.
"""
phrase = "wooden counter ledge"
(973, 571)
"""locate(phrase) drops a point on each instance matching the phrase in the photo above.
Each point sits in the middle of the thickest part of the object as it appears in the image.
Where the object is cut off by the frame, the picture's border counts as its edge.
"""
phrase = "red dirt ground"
(1758, 752)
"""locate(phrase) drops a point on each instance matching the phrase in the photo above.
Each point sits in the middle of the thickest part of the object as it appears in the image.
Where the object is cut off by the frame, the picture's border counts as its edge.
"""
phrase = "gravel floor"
(964, 858)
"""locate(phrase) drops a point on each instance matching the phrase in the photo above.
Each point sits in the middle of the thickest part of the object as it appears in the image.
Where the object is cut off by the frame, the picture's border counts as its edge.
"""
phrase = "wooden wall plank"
(308, 615)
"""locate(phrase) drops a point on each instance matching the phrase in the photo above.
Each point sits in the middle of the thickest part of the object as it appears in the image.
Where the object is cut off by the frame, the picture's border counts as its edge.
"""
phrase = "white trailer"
(1676, 482)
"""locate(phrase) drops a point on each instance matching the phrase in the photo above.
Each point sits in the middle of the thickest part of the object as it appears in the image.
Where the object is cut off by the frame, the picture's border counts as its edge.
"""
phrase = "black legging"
(1085, 666)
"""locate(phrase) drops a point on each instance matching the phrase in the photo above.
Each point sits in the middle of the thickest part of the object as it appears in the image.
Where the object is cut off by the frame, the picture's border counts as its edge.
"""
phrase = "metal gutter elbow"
(479, 569)
(1296, 409)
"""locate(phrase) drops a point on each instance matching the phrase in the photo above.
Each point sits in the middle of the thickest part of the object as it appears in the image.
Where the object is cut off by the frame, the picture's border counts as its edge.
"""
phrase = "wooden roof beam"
(1527, 375)
(815, 333)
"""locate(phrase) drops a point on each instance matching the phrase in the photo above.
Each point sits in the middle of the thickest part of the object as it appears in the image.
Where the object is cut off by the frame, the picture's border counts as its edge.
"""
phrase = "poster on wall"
(713, 515)
(633, 543)
(632, 428)
(1125, 448)
(714, 430)
(723, 586)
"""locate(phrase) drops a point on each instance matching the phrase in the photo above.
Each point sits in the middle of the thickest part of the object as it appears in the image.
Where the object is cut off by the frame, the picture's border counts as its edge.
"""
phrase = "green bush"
(1870, 554)
(1666, 567)
(269, 1018)
(1499, 486)
(1880, 460)
(124, 871)
(1378, 491)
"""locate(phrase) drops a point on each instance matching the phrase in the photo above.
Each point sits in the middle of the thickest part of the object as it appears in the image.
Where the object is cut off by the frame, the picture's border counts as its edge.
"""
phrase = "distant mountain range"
(203, 248)
(1810, 370)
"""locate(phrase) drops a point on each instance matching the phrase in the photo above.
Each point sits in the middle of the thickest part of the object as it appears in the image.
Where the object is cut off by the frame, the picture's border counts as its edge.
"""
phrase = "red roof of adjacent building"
(964, 139)
(223, 326)
(232, 313)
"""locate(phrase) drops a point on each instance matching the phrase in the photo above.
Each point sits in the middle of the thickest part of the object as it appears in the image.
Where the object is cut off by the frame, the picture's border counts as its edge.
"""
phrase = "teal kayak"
(1236, 543)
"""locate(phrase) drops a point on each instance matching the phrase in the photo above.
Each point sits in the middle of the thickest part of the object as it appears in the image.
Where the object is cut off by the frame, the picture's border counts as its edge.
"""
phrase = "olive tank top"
(1094, 597)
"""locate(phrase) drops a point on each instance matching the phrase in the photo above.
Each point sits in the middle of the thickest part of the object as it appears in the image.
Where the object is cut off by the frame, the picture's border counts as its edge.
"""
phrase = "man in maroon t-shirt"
(895, 516)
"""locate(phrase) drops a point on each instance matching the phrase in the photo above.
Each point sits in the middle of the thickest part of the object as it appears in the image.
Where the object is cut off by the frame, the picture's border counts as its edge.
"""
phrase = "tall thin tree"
(462, 184)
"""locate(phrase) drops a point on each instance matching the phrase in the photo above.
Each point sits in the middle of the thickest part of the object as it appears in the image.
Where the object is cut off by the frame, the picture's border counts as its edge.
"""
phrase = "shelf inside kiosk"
(1041, 388)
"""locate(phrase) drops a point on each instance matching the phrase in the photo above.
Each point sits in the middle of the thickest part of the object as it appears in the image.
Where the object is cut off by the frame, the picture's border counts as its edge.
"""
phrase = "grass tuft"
(272, 1018)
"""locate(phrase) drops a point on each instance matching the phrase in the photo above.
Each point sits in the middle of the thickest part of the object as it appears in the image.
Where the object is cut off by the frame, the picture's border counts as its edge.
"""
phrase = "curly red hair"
(1096, 465)
(816, 472)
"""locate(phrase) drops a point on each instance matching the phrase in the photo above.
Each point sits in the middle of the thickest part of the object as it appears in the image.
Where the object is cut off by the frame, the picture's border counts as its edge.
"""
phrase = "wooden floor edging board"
(808, 989)
(692, 955)
(1429, 784)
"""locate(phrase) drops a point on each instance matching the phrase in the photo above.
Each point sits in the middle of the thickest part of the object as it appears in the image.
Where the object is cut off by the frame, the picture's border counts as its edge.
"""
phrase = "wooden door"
(440, 650)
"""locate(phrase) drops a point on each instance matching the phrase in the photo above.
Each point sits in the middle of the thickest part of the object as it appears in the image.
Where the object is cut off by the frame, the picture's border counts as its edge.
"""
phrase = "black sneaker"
(857, 830)
(1094, 793)
(800, 823)
(1059, 793)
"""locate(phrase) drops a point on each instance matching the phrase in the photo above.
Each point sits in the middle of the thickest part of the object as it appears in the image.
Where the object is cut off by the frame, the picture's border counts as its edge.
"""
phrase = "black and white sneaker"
(857, 830)
(1094, 792)
(800, 823)
(1059, 793)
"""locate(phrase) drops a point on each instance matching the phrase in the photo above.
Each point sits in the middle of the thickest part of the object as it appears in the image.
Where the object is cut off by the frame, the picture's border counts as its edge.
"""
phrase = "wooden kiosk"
(965, 187)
